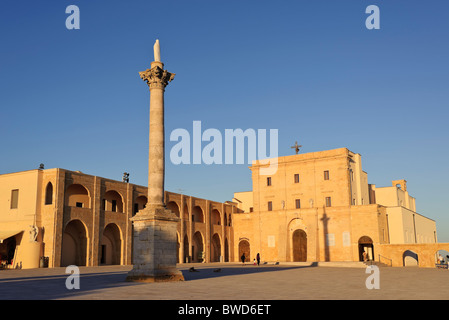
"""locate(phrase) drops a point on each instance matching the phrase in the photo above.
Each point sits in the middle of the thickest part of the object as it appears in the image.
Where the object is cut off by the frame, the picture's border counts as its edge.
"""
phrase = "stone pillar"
(97, 226)
(206, 248)
(223, 233)
(181, 240)
(190, 229)
(154, 238)
(127, 249)
(157, 79)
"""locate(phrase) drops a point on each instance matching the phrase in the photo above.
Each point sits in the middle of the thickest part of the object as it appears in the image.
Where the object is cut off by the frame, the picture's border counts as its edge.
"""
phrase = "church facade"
(319, 207)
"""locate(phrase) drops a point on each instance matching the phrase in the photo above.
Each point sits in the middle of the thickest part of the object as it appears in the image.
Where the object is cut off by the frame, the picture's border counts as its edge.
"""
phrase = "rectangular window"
(298, 203)
(269, 181)
(14, 199)
(296, 178)
(328, 201)
(114, 205)
(270, 206)
(271, 242)
(326, 175)
(330, 239)
(251, 209)
(346, 239)
(136, 207)
(79, 205)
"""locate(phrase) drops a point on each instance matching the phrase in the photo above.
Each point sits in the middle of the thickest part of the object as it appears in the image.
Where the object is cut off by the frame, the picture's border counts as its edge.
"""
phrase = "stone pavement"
(233, 282)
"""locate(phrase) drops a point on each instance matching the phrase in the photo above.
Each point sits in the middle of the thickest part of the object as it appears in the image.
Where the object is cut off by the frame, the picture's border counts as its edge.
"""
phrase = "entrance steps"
(376, 263)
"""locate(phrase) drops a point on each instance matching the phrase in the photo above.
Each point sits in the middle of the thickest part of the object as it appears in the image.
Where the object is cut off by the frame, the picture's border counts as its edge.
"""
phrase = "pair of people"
(243, 258)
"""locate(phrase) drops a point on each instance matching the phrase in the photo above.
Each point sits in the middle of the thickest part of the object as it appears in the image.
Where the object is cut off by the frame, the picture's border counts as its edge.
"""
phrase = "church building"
(319, 206)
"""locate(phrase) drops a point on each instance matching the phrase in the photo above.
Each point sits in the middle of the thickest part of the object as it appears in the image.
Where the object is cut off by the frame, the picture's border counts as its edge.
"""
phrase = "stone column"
(182, 258)
(223, 233)
(154, 238)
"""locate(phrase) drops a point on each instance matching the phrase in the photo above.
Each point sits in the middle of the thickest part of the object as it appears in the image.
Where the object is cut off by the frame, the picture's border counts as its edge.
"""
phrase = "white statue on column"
(157, 51)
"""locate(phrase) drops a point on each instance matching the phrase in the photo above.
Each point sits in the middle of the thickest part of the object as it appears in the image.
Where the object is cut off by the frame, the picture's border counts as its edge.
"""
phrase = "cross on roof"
(296, 147)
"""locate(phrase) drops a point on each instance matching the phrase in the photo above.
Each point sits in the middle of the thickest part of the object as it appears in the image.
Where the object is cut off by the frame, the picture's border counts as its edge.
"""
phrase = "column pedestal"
(155, 246)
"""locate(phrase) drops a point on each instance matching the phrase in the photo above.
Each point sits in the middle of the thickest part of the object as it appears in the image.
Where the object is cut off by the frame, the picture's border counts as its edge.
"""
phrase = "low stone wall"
(422, 255)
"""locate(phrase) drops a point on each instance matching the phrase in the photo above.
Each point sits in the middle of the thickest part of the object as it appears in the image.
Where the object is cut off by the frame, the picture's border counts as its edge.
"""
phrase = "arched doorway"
(442, 254)
(111, 245)
(8, 250)
(299, 245)
(366, 245)
(244, 248)
(198, 253)
(216, 248)
(74, 244)
(410, 259)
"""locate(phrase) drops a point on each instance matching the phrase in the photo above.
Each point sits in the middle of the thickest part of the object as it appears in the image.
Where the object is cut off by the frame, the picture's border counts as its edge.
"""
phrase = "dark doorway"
(366, 249)
(103, 254)
(74, 244)
(186, 249)
(299, 246)
(244, 248)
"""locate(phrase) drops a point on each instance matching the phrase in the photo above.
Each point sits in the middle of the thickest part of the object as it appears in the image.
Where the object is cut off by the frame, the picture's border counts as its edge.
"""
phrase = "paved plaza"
(231, 281)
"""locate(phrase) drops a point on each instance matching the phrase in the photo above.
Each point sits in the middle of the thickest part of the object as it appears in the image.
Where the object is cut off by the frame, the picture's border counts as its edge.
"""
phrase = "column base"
(155, 246)
(135, 276)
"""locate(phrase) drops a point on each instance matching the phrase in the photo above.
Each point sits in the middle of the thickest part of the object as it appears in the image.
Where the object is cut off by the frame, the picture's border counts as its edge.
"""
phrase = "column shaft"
(156, 159)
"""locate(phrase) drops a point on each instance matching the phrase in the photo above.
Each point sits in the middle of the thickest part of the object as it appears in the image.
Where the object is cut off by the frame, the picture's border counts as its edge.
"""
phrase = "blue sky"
(73, 98)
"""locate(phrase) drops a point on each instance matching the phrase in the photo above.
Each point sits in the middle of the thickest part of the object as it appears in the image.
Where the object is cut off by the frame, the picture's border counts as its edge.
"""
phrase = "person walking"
(243, 258)
(258, 259)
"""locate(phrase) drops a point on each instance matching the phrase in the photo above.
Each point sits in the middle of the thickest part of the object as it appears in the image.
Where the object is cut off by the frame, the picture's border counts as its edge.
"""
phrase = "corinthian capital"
(156, 77)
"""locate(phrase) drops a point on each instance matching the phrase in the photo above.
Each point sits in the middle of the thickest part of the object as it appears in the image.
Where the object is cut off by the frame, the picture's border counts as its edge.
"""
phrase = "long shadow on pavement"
(223, 271)
(53, 286)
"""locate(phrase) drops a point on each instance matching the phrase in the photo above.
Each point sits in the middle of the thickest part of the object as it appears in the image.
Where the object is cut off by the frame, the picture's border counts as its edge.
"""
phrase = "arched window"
(49, 194)
(173, 206)
(215, 217)
(197, 214)
(112, 201)
(77, 196)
